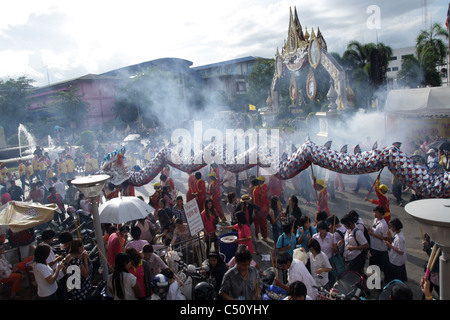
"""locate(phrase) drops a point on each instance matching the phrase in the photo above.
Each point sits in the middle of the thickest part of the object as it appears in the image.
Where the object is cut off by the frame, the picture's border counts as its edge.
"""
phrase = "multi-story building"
(99, 91)
(229, 76)
(395, 65)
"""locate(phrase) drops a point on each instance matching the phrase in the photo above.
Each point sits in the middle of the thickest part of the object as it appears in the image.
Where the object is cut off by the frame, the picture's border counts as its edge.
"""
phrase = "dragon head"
(113, 165)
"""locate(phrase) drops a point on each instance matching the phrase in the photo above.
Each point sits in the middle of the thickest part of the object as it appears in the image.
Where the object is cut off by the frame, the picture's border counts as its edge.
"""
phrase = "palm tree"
(431, 52)
(430, 43)
(372, 59)
(368, 65)
(357, 55)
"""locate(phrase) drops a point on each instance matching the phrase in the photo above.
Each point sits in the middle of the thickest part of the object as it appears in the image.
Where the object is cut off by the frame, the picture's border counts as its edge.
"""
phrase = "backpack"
(366, 234)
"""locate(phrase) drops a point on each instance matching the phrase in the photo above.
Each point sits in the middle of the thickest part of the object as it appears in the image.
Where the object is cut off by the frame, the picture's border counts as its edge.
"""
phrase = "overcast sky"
(59, 40)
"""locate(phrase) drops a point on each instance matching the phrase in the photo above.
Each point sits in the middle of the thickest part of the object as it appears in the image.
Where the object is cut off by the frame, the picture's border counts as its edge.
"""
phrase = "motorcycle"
(190, 276)
(349, 286)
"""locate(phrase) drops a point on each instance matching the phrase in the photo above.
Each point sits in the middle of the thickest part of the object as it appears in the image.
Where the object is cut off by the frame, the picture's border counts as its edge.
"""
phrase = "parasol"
(123, 209)
(132, 137)
(19, 216)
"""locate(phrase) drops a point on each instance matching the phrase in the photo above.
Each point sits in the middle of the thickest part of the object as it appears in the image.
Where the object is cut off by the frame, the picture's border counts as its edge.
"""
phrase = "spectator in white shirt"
(379, 232)
(319, 263)
(355, 245)
(59, 186)
(297, 271)
(324, 238)
(397, 258)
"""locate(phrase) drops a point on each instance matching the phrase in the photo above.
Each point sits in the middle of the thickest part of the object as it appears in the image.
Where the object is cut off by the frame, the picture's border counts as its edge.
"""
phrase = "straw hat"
(261, 178)
(212, 174)
(245, 198)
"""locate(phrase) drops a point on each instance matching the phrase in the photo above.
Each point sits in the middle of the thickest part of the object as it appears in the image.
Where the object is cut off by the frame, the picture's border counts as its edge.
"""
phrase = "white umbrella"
(123, 209)
(132, 137)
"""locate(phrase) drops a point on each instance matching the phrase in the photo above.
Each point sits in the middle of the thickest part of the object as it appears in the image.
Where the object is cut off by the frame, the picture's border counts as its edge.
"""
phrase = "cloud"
(72, 39)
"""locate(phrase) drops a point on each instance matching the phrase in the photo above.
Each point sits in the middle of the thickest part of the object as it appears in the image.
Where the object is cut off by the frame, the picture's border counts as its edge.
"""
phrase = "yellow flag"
(252, 107)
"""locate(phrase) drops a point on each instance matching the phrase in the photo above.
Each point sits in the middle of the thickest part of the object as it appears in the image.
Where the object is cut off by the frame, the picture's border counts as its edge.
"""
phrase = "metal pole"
(99, 238)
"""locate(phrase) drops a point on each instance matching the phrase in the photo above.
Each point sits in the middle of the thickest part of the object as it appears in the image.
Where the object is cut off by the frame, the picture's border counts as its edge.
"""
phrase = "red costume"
(275, 187)
(154, 199)
(382, 201)
(201, 194)
(192, 188)
(261, 199)
(214, 192)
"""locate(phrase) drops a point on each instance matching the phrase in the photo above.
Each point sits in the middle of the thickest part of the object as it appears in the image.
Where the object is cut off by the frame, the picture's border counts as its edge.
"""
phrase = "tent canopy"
(422, 102)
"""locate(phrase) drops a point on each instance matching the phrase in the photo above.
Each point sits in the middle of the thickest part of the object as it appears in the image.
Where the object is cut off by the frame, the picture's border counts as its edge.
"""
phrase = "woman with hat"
(322, 201)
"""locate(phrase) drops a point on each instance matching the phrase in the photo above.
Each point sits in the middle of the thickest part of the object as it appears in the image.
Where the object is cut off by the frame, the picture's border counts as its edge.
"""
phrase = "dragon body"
(418, 178)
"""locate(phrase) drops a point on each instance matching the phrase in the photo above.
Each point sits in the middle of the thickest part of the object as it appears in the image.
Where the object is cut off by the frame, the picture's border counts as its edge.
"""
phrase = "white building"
(395, 65)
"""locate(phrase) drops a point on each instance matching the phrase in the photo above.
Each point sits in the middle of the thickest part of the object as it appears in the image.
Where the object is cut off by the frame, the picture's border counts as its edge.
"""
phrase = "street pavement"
(345, 201)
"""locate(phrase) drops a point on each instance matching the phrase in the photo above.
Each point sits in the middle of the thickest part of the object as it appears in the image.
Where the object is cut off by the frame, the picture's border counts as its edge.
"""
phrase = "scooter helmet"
(204, 291)
(160, 281)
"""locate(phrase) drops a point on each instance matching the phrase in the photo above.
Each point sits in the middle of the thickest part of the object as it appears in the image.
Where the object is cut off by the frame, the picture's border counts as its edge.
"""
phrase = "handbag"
(337, 264)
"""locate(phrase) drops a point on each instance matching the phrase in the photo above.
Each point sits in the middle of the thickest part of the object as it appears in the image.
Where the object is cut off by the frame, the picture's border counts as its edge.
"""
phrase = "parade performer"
(214, 193)
(383, 199)
(35, 164)
(201, 191)
(42, 164)
(30, 171)
(275, 187)
(192, 188)
(322, 200)
(154, 198)
(259, 199)
(70, 167)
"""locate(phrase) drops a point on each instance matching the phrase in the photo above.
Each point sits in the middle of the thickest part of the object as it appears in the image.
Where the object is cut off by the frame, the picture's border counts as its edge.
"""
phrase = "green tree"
(431, 52)
(367, 65)
(72, 106)
(411, 74)
(260, 81)
(14, 102)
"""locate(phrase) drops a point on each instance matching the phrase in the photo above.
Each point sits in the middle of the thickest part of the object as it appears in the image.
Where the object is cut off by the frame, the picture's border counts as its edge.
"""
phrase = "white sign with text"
(193, 216)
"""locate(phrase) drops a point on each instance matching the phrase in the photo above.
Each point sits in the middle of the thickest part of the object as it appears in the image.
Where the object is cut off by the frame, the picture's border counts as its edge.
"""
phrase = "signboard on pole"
(193, 217)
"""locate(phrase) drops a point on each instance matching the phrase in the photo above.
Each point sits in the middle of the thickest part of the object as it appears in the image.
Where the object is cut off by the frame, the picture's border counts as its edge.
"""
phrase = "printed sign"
(193, 216)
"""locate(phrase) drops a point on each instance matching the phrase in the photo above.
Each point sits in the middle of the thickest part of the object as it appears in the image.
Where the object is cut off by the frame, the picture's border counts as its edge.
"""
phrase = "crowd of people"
(309, 252)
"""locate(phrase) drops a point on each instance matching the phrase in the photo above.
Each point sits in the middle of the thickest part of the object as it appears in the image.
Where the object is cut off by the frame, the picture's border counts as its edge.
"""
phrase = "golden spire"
(306, 34)
(313, 35)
